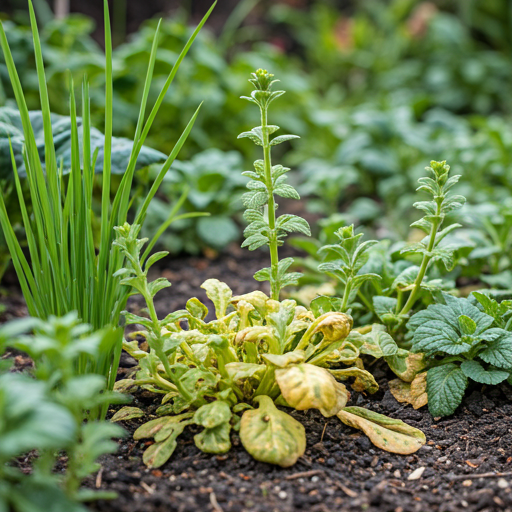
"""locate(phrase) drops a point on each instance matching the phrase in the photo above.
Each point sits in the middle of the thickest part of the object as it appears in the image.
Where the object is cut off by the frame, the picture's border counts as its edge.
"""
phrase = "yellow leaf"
(387, 433)
(306, 386)
(414, 393)
(271, 435)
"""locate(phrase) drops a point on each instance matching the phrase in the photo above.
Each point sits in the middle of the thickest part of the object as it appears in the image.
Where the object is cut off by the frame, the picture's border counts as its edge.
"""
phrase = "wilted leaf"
(306, 386)
(257, 298)
(158, 454)
(271, 435)
(387, 433)
(334, 326)
(150, 428)
(214, 440)
(406, 365)
(414, 393)
(213, 414)
(240, 371)
(220, 294)
(124, 385)
(127, 413)
(365, 381)
(285, 360)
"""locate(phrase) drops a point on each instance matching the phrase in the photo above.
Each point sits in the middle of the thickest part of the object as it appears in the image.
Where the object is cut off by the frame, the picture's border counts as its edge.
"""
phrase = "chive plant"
(65, 270)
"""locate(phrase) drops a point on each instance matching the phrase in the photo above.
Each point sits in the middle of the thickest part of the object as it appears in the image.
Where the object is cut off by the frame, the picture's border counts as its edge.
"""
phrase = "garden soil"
(466, 464)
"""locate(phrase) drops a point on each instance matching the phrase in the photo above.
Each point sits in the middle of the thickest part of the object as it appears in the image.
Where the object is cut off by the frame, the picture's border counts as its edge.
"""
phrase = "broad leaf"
(306, 386)
(474, 370)
(214, 440)
(213, 414)
(271, 435)
(446, 385)
(10, 124)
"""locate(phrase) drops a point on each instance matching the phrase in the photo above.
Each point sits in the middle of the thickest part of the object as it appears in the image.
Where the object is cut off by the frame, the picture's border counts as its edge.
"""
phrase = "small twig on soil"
(480, 475)
(323, 432)
(305, 474)
(349, 492)
(215, 503)
(147, 488)
(98, 478)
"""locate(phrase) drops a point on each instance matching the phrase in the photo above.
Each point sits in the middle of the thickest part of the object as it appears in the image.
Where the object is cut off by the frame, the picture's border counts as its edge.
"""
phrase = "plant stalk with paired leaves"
(267, 181)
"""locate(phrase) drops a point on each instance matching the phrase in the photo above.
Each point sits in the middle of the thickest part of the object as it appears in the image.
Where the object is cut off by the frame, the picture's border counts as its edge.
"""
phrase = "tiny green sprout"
(267, 181)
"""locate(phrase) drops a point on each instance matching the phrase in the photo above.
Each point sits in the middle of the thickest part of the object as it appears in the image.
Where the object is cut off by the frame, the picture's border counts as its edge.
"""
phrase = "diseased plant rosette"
(257, 351)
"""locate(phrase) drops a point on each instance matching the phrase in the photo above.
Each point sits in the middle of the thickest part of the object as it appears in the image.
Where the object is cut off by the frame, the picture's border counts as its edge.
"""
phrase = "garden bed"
(341, 469)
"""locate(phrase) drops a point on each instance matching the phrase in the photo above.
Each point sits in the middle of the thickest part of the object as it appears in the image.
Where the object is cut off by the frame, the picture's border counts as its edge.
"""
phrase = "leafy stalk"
(267, 181)
(436, 211)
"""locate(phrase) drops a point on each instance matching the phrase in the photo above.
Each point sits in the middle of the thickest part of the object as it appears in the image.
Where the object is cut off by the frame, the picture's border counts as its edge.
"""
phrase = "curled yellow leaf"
(306, 386)
(334, 326)
(387, 433)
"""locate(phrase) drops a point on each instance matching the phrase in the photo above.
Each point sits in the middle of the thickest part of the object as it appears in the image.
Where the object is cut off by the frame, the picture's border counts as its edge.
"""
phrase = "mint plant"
(460, 342)
(46, 413)
(267, 181)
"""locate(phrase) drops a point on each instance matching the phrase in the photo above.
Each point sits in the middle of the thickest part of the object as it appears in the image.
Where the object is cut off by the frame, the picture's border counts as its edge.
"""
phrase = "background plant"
(65, 271)
(268, 180)
(45, 413)
(462, 339)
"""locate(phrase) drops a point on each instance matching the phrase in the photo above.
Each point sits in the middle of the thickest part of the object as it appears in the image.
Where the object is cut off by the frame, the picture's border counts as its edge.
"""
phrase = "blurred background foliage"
(375, 88)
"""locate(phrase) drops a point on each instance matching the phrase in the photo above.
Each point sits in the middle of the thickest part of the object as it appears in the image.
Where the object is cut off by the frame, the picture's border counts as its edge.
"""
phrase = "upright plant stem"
(274, 257)
(423, 269)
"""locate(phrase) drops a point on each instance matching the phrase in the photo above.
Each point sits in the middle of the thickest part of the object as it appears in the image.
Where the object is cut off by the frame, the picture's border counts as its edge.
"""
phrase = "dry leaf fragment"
(414, 393)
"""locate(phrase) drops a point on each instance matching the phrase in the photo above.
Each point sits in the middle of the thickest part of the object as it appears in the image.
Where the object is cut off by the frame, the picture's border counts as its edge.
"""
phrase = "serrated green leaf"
(446, 385)
(475, 371)
(498, 351)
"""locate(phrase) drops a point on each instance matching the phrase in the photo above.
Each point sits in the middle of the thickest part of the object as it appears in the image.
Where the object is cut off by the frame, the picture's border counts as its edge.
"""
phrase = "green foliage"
(462, 342)
(11, 134)
(46, 414)
(430, 249)
(215, 186)
(66, 271)
(352, 256)
(267, 181)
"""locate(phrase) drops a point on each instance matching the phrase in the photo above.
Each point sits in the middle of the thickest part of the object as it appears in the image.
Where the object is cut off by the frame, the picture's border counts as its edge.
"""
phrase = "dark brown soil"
(340, 471)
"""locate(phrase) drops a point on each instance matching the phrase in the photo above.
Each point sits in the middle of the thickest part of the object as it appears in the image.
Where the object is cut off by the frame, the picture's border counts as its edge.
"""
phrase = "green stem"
(346, 294)
(424, 265)
(274, 257)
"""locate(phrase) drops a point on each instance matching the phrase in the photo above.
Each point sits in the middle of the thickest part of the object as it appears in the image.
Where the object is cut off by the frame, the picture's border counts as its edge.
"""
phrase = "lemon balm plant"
(65, 270)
